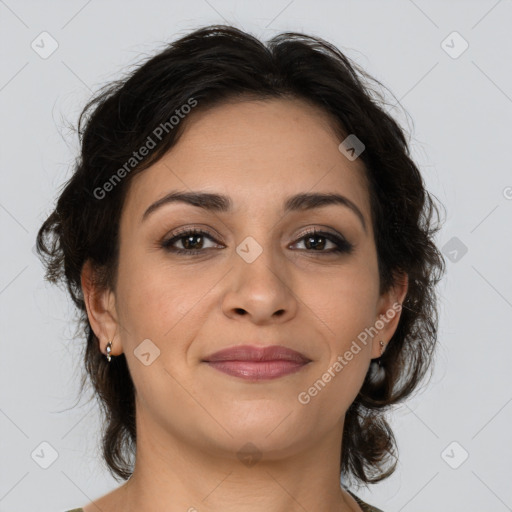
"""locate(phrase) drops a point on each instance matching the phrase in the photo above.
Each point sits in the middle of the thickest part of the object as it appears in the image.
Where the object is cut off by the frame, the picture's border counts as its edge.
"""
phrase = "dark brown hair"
(204, 68)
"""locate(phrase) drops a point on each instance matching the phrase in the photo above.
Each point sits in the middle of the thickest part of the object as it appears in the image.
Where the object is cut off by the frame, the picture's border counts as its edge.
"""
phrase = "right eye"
(191, 239)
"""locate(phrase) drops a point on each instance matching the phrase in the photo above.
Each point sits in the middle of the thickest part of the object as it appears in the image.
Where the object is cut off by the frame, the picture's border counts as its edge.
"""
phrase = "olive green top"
(361, 503)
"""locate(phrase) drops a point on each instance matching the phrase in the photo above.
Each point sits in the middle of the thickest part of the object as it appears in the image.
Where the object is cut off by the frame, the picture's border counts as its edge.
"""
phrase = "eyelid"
(318, 230)
(192, 227)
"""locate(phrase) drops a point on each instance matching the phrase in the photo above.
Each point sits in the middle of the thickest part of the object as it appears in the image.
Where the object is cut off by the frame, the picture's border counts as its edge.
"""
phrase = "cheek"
(345, 300)
(157, 301)
(142, 297)
(151, 307)
(345, 315)
(345, 305)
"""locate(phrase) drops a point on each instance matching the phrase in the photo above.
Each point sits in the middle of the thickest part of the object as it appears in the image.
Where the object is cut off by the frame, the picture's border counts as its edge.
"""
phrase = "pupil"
(320, 245)
(189, 241)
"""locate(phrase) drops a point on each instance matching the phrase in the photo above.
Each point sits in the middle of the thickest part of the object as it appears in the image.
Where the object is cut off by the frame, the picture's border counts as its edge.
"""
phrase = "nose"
(261, 291)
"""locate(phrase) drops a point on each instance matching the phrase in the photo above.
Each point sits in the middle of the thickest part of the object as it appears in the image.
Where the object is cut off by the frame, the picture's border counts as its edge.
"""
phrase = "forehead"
(256, 151)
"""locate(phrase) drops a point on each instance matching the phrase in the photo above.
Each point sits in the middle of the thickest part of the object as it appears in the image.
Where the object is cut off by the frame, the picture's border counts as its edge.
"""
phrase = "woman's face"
(258, 277)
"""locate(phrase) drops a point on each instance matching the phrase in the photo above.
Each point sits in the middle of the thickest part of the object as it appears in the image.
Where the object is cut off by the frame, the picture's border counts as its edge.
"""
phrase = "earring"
(109, 349)
(377, 371)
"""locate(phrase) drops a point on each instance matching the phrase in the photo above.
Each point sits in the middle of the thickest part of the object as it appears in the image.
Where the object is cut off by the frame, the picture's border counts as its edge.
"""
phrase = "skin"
(192, 420)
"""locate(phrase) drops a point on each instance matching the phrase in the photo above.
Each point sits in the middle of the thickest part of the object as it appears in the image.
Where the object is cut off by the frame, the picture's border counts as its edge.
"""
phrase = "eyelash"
(342, 245)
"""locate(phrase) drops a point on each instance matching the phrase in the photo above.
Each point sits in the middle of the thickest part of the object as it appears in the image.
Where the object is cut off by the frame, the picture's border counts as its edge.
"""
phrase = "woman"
(250, 247)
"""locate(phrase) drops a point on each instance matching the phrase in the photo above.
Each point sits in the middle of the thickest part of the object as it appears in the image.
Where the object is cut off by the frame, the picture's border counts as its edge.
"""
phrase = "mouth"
(257, 363)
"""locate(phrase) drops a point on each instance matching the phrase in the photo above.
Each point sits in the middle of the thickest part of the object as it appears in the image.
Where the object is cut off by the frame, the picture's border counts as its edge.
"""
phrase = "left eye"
(315, 241)
(310, 241)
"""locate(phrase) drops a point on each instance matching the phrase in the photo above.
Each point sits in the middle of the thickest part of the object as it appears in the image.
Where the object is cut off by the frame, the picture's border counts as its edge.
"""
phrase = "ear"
(389, 310)
(100, 305)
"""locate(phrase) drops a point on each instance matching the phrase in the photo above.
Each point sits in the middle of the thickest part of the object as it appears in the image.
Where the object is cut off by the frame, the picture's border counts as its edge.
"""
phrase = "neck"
(173, 475)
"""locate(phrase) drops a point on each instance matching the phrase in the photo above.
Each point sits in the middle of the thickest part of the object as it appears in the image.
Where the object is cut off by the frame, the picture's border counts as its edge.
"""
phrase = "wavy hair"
(214, 64)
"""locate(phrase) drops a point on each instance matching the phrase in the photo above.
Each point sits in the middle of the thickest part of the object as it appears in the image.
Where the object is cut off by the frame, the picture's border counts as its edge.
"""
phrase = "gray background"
(461, 109)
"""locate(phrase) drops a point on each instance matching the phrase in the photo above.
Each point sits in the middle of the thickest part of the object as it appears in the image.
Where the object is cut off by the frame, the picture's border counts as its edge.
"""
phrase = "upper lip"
(254, 353)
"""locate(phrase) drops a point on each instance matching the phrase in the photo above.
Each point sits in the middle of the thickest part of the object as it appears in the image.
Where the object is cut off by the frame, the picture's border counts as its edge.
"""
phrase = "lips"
(257, 363)
(258, 354)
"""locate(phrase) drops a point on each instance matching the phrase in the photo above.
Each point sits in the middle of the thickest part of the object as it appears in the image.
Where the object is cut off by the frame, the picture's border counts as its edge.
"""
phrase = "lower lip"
(254, 370)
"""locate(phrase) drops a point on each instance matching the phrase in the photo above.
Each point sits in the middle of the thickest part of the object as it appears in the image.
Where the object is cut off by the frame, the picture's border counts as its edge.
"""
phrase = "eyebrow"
(222, 204)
